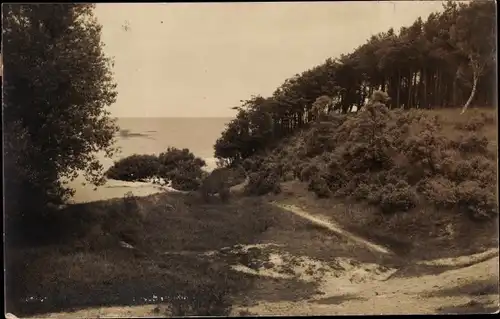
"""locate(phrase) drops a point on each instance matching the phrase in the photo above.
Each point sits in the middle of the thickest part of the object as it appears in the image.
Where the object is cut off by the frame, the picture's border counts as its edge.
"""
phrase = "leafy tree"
(57, 85)
(428, 64)
(473, 33)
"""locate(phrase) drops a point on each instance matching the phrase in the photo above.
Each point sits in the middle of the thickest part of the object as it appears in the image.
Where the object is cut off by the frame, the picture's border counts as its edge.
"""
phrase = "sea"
(153, 136)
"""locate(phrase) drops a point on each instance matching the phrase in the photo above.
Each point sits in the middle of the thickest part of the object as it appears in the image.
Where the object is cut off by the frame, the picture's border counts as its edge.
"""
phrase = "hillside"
(408, 179)
(289, 252)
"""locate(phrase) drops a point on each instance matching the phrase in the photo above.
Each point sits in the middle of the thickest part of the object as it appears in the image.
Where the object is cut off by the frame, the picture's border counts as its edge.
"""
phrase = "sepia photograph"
(250, 159)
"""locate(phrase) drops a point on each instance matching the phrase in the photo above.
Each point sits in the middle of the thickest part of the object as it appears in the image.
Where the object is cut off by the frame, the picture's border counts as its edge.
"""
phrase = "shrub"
(397, 198)
(366, 146)
(374, 196)
(319, 186)
(262, 183)
(297, 170)
(336, 176)
(319, 139)
(217, 182)
(471, 144)
(362, 192)
(309, 171)
(288, 171)
(185, 180)
(134, 168)
(179, 166)
(253, 164)
(174, 158)
(476, 123)
(439, 191)
(424, 149)
(475, 201)
(476, 168)
(360, 157)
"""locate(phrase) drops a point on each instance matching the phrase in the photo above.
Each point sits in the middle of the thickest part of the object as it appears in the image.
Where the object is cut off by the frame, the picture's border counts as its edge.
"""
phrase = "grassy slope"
(423, 232)
(85, 266)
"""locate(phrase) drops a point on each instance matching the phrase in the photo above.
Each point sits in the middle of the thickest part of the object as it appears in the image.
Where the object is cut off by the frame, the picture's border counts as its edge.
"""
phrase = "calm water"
(155, 135)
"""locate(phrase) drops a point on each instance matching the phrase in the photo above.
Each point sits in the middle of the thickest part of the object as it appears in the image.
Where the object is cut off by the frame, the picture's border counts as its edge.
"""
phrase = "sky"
(201, 59)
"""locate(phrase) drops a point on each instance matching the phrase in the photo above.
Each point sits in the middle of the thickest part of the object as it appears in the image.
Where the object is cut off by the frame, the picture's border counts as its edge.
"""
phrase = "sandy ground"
(416, 295)
(105, 312)
(116, 189)
(346, 286)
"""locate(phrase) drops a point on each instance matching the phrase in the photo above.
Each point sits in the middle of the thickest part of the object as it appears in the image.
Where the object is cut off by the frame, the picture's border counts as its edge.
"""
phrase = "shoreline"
(86, 193)
(113, 189)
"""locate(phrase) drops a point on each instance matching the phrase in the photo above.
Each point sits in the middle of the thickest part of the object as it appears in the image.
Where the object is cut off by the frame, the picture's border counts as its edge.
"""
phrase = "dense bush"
(174, 158)
(398, 197)
(253, 164)
(440, 191)
(134, 168)
(176, 165)
(318, 139)
(471, 144)
(476, 122)
(476, 168)
(475, 201)
(184, 180)
(319, 186)
(263, 182)
(308, 171)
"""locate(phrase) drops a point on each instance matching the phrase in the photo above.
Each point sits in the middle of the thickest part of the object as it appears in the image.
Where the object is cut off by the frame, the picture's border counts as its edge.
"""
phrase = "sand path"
(332, 226)
(417, 295)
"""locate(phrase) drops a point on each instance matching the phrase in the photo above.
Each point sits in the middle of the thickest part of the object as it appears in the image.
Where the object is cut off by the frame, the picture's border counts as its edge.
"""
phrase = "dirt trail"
(328, 224)
(461, 261)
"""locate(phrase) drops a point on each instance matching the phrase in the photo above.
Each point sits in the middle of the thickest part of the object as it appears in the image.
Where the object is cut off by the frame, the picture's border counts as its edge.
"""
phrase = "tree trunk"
(398, 85)
(437, 95)
(424, 97)
(415, 91)
(472, 93)
(454, 93)
(410, 80)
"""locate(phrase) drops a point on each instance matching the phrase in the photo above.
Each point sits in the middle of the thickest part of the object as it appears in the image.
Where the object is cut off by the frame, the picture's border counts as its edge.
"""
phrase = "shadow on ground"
(84, 265)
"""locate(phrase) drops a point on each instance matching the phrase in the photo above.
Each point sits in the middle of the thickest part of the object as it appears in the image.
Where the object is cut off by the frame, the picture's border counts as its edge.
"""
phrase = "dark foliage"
(446, 61)
(134, 168)
(177, 165)
(263, 182)
(56, 87)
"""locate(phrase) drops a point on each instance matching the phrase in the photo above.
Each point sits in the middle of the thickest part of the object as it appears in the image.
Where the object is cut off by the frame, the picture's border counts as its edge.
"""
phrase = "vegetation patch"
(179, 166)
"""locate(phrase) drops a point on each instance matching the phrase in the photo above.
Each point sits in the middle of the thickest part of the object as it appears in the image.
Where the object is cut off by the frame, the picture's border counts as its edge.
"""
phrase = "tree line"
(449, 60)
